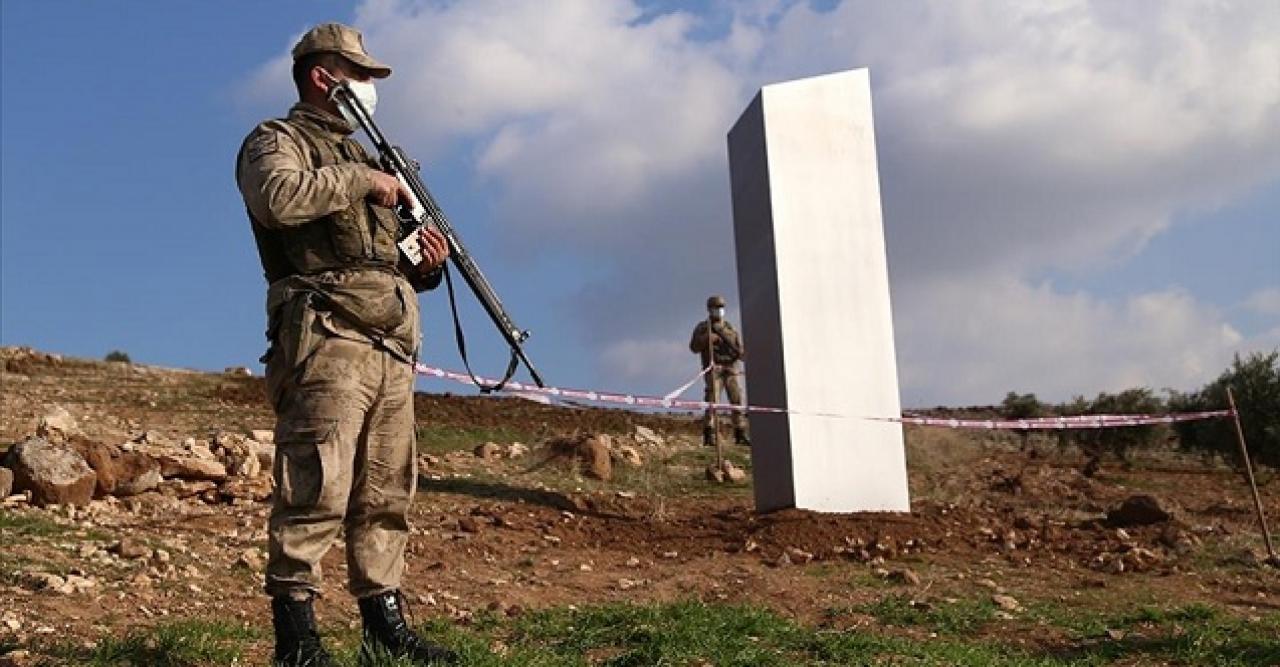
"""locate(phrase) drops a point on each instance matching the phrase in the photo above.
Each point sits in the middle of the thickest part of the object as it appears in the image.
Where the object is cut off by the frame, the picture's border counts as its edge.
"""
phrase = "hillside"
(1032, 554)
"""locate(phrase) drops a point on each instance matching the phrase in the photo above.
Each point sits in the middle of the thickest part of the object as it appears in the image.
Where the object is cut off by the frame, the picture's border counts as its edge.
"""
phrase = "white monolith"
(814, 288)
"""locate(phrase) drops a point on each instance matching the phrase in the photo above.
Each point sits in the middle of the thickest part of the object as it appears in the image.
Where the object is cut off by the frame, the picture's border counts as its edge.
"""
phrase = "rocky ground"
(139, 494)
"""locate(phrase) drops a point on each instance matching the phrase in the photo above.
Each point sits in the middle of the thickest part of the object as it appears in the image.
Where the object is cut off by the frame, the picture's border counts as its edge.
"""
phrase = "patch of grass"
(963, 616)
(15, 524)
(1195, 634)
(694, 633)
(442, 439)
(185, 643)
(689, 633)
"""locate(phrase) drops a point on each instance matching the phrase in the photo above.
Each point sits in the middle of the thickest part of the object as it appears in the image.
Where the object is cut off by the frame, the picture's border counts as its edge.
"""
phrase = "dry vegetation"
(1006, 558)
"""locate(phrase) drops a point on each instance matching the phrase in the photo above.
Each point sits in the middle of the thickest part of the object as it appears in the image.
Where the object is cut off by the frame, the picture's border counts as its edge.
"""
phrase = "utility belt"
(297, 300)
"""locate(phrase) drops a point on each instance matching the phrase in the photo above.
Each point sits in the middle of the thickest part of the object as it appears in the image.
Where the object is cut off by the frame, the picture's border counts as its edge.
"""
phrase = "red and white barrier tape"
(1060, 423)
(670, 402)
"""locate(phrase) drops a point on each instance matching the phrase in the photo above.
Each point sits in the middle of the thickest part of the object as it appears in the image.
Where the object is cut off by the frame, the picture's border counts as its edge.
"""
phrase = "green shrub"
(117, 355)
(1121, 440)
(1255, 383)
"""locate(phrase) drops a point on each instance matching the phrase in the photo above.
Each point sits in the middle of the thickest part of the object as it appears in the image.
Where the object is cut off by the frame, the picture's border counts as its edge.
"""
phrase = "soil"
(512, 536)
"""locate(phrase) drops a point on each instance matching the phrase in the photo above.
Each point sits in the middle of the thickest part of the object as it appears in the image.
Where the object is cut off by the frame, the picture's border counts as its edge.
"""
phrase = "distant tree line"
(1254, 381)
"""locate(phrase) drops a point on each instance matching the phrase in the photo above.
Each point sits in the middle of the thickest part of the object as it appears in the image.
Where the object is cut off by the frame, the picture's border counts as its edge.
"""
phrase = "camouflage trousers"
(345, 459)
(726, 378)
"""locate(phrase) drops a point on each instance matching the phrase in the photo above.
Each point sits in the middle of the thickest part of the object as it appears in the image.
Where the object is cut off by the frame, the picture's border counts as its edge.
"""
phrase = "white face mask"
(717, 313)
(368, 96)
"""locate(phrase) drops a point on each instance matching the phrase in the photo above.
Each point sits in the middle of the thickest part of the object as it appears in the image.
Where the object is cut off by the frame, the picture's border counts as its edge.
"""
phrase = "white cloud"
(1264, 301)
(1013, 137)
(658, 360)
(959, 345)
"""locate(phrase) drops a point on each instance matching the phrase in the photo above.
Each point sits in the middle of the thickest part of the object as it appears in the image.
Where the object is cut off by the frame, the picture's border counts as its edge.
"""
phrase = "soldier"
(342, 314)
(728, 350)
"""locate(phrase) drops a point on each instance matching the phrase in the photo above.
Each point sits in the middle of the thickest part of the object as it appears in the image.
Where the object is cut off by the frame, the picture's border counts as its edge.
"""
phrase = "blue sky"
(1075, 201)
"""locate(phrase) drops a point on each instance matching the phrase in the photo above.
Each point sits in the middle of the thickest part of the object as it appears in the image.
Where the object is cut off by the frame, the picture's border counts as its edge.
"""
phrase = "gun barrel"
(427, 211)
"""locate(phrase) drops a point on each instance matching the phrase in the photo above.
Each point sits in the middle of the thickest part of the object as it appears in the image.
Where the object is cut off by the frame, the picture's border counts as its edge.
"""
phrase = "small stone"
(250, 559)
(797, 555)
(488, 451)
(264, 436)
(468, 524)
(40, 581)
(904, 576)
(18, 658)
(1140, 510)
(628, 584)
(647, 436)
(630, 456)
(79, 584)
(130, 549)
(57, 425)
(516, 450)
(1006, 602)
(733, 473)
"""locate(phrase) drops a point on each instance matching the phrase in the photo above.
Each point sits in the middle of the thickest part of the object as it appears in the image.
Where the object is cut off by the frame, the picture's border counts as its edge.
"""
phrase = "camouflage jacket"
(728, 345)
(304, 181)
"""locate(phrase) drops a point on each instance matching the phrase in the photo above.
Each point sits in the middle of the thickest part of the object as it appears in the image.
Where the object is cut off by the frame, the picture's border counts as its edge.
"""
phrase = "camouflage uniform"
(344, 330)
(728, 350)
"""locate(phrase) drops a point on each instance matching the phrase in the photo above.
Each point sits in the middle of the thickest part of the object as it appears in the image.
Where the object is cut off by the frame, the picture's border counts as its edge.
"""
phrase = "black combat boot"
(385, 631)
(297, 642)
(740, 436)
(708, 436)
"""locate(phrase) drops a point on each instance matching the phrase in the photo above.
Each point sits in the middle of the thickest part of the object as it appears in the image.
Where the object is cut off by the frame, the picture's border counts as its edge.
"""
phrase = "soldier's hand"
(385, 189)
(435, 249)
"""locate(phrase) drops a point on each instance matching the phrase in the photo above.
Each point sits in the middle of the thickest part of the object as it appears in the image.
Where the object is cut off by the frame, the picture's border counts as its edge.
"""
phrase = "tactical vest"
(725, 354)
(363, 235)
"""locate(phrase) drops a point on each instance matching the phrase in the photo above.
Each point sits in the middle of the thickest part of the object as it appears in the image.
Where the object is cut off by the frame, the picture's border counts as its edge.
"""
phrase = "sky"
(1078, 196)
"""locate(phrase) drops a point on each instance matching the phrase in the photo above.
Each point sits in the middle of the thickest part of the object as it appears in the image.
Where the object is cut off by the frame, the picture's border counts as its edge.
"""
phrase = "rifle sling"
(462, 344)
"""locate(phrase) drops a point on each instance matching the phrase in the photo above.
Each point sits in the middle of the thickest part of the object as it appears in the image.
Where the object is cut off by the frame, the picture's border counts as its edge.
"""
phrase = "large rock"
(6, 483)
(239, 454)
(1138, 511)
(120, 473)
(57, 425)
(594, 452)
(55, 474)
(189, 467)
(256, 489)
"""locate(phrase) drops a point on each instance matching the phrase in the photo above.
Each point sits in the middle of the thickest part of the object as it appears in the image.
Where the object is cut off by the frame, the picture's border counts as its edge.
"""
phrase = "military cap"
(716, 301)
(342, 40)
